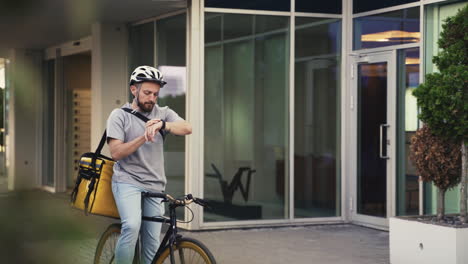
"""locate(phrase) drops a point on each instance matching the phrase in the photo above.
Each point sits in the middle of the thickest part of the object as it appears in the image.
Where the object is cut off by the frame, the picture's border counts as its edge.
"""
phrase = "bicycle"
(173, 246)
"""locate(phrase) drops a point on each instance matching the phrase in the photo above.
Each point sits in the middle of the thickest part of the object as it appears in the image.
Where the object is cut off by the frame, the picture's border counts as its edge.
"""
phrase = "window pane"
(237, 26)
(277, 5)
(141, 52)
(212, 29)
(328, 7)
(268, 24)
(141, 47)
(317, 36)
(246, 95)
(317, 118)
(368, 5)
(408, 123)
(171, 61)
(387, 29)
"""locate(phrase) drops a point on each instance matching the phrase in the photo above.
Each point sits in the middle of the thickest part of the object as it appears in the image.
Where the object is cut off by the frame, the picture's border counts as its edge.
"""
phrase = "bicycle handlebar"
(186, 200)
(156, 195)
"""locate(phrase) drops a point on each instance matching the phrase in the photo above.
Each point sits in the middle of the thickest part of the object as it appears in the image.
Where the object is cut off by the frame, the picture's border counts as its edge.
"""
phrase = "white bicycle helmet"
(147, 74)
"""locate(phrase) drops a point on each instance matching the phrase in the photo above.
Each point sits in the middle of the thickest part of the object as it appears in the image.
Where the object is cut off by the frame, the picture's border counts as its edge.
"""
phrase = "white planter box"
(416, 242)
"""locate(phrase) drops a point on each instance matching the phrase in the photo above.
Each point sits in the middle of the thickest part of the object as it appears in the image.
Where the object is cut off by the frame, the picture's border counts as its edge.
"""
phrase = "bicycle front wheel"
(187, 251)
(105, 250)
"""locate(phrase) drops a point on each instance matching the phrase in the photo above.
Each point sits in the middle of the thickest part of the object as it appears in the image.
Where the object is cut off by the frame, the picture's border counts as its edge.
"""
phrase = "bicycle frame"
(171, 235)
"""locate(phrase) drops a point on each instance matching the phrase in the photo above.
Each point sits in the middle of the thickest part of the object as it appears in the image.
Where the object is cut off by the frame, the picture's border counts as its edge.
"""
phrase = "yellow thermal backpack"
(93, 186)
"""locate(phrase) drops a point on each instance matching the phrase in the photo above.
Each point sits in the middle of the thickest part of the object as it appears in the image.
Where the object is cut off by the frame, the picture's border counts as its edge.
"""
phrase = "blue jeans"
(130, 204)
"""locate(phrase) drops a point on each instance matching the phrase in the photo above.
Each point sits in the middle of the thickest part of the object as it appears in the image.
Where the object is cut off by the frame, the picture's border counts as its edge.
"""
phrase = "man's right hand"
(152, 128)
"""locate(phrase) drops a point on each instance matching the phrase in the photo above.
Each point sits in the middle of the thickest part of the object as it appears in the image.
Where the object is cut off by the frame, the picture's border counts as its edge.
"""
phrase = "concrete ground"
(42, 228)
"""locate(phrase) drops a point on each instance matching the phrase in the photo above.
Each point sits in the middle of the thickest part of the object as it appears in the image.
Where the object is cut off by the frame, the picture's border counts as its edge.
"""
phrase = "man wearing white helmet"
(138, 149)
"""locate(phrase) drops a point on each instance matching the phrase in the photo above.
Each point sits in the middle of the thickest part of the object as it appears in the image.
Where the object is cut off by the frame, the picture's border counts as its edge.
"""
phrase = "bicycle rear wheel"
(187, 251)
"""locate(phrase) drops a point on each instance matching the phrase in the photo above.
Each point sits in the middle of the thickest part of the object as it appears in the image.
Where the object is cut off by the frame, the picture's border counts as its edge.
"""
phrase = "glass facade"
(387, 29)
(317, 117)
(246, 120)
(141, 46)
(327, 7)
(163, 44)
(278, 5)
(171, 61)
(246, 107)
(408, 123)
(368, 5)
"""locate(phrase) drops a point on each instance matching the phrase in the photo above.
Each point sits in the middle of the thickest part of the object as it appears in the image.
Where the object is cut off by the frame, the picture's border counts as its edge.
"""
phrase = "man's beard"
(146, 107)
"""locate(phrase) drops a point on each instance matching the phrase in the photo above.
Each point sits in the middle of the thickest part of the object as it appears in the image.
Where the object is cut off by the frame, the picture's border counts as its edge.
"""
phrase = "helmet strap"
(138, 86)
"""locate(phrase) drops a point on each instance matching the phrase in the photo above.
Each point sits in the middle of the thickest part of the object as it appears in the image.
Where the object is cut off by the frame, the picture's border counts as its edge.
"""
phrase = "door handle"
(382, 141)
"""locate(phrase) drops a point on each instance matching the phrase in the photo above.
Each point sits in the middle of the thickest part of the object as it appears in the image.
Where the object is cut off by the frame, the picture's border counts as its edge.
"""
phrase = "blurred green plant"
(39, 227)
(2, 110)
(443, 97)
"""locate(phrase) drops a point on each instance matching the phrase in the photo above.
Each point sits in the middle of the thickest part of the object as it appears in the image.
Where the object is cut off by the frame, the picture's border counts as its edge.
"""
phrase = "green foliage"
(453, 41)
(443, 98)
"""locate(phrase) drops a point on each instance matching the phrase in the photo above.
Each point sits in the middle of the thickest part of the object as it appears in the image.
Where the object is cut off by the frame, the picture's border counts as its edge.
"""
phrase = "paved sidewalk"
(310, 244)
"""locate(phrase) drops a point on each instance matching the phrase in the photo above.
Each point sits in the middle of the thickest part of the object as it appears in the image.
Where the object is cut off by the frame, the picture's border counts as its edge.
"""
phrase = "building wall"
(24, 119)
(109, 84)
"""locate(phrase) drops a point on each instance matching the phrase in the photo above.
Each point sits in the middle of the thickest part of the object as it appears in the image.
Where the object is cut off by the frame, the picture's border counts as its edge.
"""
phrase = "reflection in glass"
(212, 29)
(327, 7)
(277, 5)
(387, 29)
(171, 61)
(141, 47)
(236, 27)
(317, 118)
(407, 178)
(141, 43)
(246, 95)
(372, 113)
(368, 5)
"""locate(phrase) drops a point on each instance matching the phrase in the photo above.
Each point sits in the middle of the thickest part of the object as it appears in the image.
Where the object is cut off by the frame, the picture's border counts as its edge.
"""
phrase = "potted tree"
(439, 153)
(437, 160)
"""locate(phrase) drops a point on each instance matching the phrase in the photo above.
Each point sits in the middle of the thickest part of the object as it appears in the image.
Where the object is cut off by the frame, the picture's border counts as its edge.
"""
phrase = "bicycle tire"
(187, 250)
(105, 249)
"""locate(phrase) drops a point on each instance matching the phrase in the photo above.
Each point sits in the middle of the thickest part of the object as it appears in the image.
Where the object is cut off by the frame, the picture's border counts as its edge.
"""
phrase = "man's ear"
(133, 89)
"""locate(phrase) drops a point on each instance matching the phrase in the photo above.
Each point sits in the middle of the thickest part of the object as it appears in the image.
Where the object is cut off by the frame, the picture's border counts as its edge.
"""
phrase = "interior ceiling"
(38, 24)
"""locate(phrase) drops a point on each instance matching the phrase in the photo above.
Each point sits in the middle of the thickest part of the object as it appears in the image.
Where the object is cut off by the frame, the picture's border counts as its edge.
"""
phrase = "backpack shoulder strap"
(142, 117)
(135, 113)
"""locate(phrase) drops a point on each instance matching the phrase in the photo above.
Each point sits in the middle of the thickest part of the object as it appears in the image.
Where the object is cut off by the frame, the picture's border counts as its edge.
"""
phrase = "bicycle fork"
(170, 237)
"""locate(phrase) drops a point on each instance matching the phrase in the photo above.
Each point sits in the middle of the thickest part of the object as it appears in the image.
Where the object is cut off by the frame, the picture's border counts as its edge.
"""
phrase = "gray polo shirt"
(145, 167)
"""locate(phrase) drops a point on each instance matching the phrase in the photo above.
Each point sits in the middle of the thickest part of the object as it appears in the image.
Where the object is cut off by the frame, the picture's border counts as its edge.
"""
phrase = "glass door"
(374, 89)
(48, 133)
